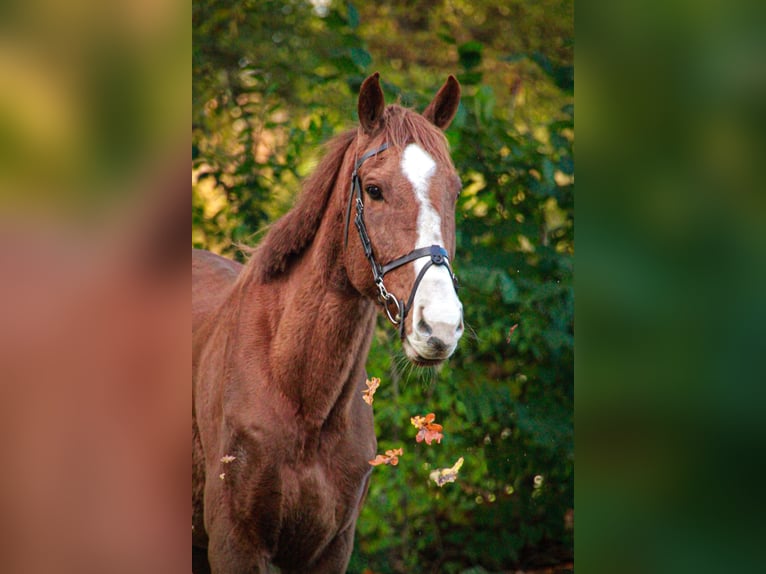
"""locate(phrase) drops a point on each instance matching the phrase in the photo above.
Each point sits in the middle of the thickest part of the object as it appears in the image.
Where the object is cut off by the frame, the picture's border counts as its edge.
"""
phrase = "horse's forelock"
(403, 126)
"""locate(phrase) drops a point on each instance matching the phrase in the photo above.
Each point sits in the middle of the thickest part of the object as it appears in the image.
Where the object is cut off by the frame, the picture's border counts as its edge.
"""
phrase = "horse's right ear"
(371, 104)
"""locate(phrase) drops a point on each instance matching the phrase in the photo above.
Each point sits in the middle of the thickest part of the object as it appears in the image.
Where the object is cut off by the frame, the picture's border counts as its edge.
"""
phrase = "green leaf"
(447, 37)
(508, 290)
(470, 78)
(566, 165)
(470, 54)
(485, 103)
(361, 57)
(548, 171)
(353, 16)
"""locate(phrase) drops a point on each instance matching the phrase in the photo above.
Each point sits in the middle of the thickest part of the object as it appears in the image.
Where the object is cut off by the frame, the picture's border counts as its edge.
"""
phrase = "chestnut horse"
(281, 437)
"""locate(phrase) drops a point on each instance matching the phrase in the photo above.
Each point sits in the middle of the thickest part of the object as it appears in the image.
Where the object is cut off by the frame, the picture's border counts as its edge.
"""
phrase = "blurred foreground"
(94, 300)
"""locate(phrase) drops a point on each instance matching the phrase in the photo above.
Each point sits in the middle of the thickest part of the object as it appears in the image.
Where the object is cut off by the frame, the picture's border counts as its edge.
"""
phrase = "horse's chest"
(318, 501)
(296, 491)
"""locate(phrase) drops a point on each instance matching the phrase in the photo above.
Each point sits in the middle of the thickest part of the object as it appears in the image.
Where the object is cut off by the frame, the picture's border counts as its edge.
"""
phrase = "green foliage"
(265, 95)
(505, 400)
(506, 397)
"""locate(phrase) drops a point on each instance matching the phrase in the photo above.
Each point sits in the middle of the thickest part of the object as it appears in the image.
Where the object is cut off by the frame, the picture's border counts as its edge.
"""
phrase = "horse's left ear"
(443, 108)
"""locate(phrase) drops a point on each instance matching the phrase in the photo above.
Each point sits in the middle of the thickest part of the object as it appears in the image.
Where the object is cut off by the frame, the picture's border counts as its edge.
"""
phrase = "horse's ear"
(443, 108)
(371, 103)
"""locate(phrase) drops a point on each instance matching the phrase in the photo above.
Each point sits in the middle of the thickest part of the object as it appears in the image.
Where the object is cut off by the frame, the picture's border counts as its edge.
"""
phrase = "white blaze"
(436, 295)
(418, 166)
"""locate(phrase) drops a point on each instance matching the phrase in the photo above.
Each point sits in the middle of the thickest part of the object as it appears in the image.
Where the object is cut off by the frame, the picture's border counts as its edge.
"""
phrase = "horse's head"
(400, 217)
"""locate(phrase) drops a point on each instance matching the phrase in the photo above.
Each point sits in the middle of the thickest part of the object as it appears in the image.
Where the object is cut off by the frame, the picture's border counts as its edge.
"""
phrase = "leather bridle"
(396, 309)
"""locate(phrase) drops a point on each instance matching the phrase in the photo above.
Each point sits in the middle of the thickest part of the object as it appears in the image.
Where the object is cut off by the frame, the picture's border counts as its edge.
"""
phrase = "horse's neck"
(319, 340)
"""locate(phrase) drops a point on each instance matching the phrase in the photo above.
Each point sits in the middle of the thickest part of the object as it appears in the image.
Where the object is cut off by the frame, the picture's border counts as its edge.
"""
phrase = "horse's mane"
(289, 236)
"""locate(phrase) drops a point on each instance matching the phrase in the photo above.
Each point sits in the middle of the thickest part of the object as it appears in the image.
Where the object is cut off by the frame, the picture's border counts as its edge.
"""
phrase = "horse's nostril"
(424, 327)
(437, 344)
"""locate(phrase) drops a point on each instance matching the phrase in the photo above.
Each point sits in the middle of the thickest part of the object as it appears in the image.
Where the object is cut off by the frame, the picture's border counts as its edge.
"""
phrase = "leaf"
(353, 16)
(508, 290)
(428, 430)
(446, 37)
(372, 386)
(442, 476)
(391, 457)
(470, 78)
(470, 54)
(361, 57)
(510, 332)
(484, 104)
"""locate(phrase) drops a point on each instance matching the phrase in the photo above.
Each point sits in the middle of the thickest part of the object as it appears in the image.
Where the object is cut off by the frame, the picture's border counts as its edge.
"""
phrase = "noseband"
(396, 309)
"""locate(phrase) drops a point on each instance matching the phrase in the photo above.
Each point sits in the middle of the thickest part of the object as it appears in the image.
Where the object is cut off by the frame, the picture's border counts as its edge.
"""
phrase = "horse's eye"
(374, 192)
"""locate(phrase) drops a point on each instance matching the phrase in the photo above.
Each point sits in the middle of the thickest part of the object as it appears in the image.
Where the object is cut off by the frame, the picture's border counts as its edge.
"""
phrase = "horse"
(281, 435)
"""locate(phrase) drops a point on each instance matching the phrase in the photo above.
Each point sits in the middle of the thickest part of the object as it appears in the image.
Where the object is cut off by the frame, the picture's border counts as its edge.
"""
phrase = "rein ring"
(387, 301)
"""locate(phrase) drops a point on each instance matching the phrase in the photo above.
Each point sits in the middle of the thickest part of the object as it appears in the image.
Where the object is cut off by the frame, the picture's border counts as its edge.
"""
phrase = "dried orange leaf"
(428, 430)
(391, 457)
(429, 435)
(420, 422)
(372, 386)
(442, 476)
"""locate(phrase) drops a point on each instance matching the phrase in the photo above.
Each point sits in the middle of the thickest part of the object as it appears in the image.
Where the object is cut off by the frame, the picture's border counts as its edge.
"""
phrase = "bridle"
(396, 309)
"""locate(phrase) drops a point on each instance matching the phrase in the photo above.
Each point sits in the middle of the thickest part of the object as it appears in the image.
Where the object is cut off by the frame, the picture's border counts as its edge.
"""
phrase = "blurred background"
(94, 286)
(671, 276)
(275, 80)
(94, 323)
